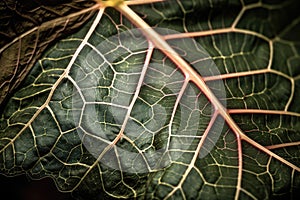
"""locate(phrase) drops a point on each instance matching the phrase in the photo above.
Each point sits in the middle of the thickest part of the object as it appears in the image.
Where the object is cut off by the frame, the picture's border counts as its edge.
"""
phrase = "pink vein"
(190, 74)
(246, 73)
(278, 146)
(214, 32)
(262, 111)
(268, 112)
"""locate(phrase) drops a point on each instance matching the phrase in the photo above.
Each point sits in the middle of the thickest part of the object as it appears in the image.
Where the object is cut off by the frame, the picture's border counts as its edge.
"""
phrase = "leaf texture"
(108, 114)
(27, 29)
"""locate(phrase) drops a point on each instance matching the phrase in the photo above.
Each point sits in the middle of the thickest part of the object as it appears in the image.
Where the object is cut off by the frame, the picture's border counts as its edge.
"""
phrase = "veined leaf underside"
(27, 29)
(125, 110)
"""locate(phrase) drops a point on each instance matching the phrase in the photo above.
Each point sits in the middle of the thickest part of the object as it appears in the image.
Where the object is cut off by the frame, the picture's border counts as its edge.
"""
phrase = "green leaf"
(164, 100)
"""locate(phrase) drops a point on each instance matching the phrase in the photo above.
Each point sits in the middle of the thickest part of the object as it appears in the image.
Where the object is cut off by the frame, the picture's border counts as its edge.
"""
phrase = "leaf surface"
(27, 29)
(185, 100)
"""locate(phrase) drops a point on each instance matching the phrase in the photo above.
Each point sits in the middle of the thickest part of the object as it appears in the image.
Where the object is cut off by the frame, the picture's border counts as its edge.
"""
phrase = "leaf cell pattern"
(108, 113)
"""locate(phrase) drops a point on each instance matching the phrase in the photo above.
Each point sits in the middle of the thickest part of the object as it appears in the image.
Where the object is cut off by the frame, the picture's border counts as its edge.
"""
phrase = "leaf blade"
(176, 179)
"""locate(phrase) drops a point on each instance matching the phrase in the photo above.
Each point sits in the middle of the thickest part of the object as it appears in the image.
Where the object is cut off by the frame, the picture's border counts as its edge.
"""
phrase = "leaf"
(27, 29)
(168, 100)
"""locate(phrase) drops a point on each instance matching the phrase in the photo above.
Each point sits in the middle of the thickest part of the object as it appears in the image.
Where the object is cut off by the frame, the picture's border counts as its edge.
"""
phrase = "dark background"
(23, 188)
